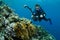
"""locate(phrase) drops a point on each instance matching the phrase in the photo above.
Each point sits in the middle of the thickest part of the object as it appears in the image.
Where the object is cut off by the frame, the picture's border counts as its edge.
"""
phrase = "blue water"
(51, 7)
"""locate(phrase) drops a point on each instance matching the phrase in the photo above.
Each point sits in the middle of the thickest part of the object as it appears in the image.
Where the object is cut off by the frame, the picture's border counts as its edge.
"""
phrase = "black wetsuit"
(39, 15)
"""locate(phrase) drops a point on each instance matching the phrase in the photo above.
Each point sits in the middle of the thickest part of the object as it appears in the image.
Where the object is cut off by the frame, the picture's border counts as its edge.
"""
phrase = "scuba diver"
(38, 14)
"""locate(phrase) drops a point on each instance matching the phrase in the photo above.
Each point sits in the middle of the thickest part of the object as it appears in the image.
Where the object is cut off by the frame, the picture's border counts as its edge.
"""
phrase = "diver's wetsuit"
(39, 15)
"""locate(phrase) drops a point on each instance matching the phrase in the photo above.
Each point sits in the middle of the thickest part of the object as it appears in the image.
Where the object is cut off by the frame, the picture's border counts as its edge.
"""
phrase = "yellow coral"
(24, 30)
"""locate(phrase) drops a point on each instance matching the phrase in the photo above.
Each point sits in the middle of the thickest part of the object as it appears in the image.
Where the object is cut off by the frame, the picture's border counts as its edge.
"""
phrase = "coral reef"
(12, 27)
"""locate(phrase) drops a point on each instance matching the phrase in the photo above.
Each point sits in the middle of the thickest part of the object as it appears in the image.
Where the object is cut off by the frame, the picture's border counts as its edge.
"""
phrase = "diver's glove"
(25, 6)
(44, 14)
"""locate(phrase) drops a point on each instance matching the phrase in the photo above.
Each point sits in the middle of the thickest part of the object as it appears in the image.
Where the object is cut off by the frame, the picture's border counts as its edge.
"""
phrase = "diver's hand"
(32, 16)
(25, 6)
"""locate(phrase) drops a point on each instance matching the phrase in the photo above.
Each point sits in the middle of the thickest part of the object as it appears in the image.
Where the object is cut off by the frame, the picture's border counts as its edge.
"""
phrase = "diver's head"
(37, 6)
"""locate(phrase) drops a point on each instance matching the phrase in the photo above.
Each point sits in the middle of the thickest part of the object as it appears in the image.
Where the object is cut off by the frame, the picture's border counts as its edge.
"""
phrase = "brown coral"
(23, 30)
